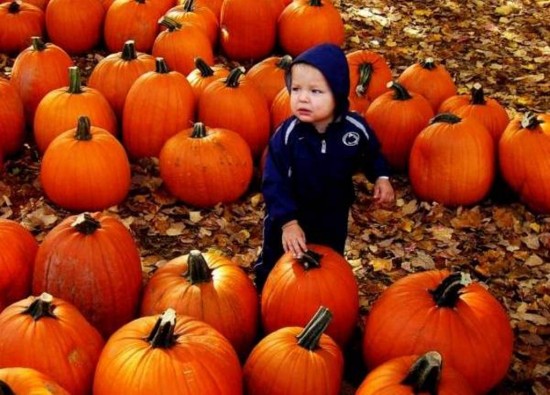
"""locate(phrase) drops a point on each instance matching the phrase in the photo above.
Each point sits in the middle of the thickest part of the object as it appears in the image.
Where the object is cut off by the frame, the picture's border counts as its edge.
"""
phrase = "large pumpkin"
(168, 355)
(296, 360)
(524, 159)
(412, 374)
(20, 21)
(397, 117)
(50, 335)
(85, 169)
(206, 166)
(452, 161)
(18, 248)
(321, 278)
(28, 381)
(211, 288)
(12, 121)
(92, 261)
(443, 312)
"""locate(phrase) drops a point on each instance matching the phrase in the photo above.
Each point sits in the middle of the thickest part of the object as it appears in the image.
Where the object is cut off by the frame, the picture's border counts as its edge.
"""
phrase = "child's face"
(311, 99)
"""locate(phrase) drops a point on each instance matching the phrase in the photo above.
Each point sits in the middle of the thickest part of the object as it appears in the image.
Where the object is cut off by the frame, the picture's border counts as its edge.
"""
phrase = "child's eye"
(294, 89)
(316, 91)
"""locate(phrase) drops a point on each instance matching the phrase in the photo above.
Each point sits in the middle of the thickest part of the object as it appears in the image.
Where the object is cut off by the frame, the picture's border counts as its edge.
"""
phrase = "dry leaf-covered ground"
(502, 44)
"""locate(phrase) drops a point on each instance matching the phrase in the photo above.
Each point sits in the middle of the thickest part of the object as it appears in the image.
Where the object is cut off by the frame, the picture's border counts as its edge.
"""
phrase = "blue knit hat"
(331, 61)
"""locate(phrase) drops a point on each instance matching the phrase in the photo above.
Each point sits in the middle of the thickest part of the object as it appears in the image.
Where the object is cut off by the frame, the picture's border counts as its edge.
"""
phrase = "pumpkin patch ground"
(499, 241)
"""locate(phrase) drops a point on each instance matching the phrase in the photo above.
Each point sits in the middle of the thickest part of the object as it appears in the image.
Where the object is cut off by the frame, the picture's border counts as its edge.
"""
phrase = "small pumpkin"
(321, 278)
(168, 354)
(296, 360)
(269, 75)
(28, 381)
(203, 74)
(198, 15)
(19, 21)
(206, 166)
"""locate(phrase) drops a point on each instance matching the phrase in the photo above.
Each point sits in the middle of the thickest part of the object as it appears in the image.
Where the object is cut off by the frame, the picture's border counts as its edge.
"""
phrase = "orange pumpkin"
(280, 108)
(18, 248)
(306, 23)
(443, 312)
(211, 288)
(19, 21)
(42, 4)
(213, 5)
(524, 159)
(95, 254)
(203, 74)
(168, 355)
(269, 75)
(452, 161)
(85, 168)
(321, 278)
(412, 374)
(193, 14)
(36, 71)
(114, 75)
(12, 121)
(431, 80)
(369, 75)
(397, 117)
(295, 360)
(50, 335)
(28, 381)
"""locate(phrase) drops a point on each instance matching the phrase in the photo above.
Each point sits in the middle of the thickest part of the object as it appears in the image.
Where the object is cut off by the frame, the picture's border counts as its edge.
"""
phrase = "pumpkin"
(205, 166)
(50, 335)
(397, 117)
(431, 80)
(524, 159)
(19, 21)
(280, 109)
(296, 360)
(236, 104)
(211, 288)
(159, 104)
(180, 44)
(248, 29)
(412, 374)
(369, 75)
(18, 248)
(85, 168)
(269, 75)
(203, 74)
(114, 75)
(60, 109)
(75, 28)
(192, 14)
(306, 23)
(28, 381)
(485, 109)
(168, 354)
(12, 121)
(36, 71)
(42, 4)
(321, 278)
(452, 161)
(448, 313)
(92, 261)
(213, 5)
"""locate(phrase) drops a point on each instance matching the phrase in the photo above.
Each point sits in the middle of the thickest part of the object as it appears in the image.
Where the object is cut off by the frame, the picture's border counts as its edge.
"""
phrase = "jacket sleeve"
(276, 182)
(374, 163)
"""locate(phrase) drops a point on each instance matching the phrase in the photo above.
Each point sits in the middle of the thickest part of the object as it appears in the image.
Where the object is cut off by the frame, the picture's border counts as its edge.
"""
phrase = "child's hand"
(294, 239)
(383, 194)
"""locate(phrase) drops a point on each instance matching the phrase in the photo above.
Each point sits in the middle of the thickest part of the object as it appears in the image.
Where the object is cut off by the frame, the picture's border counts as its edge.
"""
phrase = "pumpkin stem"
(530, 121)
(129, 51)
(83, 129)
(424, 374)
(189, 5)
(446, 117)
(86, 224)
(41, 307)
(199, 131)
(170, 23)
(161, 66)
(232, 80)
(198, 270)
(162, 335)
(428, 64)
(399, 91)
(365, 75)
(446, 294)
(75, 82)
(316, 3)
(284, 62)
(203, 67)
(309, 337)
(478, 97)
(14, 7)
(37, 43)
(5, 389)
(311, 259)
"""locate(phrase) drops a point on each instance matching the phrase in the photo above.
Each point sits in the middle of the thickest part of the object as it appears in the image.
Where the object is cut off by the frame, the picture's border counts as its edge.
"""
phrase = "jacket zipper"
(323, 146)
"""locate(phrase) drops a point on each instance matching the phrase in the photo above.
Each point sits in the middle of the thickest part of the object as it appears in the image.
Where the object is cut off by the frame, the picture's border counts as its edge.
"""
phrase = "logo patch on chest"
(350, 139)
